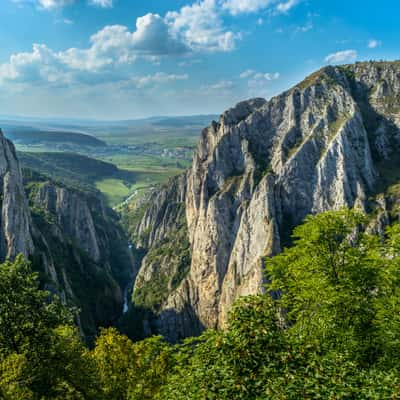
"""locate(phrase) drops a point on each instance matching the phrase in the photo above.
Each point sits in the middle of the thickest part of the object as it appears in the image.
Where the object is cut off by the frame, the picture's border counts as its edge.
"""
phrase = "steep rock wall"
(260, 170)
(15, 233)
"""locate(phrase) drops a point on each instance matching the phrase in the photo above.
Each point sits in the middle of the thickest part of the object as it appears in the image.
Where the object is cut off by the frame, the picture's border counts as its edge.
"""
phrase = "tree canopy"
(328, 327)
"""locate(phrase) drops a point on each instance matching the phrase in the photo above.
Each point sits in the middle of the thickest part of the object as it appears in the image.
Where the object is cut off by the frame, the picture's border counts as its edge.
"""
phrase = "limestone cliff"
(72, 239)
(329, 142)
(80, 250)
(15, 234)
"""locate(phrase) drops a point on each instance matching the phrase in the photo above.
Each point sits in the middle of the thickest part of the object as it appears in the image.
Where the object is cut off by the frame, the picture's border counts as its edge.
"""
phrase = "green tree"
(331, 334)
(27, 316)
(330, 281)
(41, 354)
(128, 370)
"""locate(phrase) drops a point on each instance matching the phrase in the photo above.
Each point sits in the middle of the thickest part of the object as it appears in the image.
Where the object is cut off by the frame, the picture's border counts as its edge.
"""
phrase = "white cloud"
(341, 56)
(220, 88)
(102, 3)
(236, 7)
(110, 48)
(158, 78)
(373, 44)
(250, 73)
(193, 29)
(304, 28)
(247, 73)
(222, 85)
(286, 6)
(50, 4)
(198, 26)
(258, 82)
(201, 27)
(42, 64)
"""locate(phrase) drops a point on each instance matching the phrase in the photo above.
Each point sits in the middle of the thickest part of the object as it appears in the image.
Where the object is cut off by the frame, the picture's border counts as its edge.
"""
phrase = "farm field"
(118, 159)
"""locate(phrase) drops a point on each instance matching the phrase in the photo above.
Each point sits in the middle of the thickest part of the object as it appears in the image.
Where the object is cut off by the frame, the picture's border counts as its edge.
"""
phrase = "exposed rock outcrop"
(257, 172)
(82, 251)
(15, 234)
(73, 240)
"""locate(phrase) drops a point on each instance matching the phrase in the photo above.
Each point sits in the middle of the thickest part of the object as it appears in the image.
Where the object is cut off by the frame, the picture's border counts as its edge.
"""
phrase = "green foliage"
(25, 315)
(170, 261)
(41, 354)
(80, 172)
(331, 333)
(94, 284)
(127, 370)
(329, 328)
(330, 281)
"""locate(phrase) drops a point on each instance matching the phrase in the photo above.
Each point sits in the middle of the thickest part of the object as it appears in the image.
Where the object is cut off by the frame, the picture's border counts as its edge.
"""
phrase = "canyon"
(327, 143)
(193, 246)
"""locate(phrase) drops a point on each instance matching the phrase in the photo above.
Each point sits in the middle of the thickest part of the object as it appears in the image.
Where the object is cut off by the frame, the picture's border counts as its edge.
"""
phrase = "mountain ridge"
(72, 239)
(256, 174)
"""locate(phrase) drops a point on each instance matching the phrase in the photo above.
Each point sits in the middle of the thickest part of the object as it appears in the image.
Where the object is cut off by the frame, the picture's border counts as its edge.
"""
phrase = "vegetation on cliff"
(328, 328)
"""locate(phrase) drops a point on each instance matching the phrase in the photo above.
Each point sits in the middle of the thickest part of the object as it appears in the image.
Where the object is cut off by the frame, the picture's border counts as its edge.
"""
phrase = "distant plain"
(118, 158)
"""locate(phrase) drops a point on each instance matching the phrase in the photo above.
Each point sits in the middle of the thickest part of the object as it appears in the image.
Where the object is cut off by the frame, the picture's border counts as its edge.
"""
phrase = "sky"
(124, 59)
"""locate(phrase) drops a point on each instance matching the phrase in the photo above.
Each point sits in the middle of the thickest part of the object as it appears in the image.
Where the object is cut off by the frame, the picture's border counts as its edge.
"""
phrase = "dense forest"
(327, 328)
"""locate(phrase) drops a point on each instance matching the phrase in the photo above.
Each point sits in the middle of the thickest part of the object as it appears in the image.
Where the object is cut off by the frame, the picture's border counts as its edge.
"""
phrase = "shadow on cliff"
(140, 322)
(381, 130)
(383, 138)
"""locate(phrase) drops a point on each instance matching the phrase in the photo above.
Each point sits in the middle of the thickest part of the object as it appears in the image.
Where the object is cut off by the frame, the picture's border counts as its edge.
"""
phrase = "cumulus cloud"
(195, 28)
(110, 48)
(341, 56)
(41, 64)
(373, 43)
(198, 27)
(201, 27)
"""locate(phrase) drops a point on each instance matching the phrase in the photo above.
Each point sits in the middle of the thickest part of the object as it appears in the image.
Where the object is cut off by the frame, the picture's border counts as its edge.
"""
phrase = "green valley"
(118, 158)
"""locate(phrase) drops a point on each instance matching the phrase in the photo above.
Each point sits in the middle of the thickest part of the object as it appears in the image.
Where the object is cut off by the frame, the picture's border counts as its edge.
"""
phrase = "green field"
(118, 159)
(117, 190)
(117, 177)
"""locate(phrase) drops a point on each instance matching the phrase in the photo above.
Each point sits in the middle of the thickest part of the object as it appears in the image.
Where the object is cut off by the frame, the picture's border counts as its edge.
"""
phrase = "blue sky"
(117, 59)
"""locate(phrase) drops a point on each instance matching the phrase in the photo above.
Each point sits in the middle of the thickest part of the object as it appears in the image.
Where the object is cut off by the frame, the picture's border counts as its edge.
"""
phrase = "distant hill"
(73, 169)
(32, 136)
(190, 120)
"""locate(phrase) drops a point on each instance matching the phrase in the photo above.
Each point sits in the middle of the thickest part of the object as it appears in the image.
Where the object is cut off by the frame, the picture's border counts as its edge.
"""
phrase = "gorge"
(199, 242)
(329, 142)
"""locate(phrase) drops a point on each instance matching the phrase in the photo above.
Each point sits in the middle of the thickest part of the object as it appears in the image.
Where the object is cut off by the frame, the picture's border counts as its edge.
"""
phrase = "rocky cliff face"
(15, 234)
(81, 250)
(329, 142)
(73, 240)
